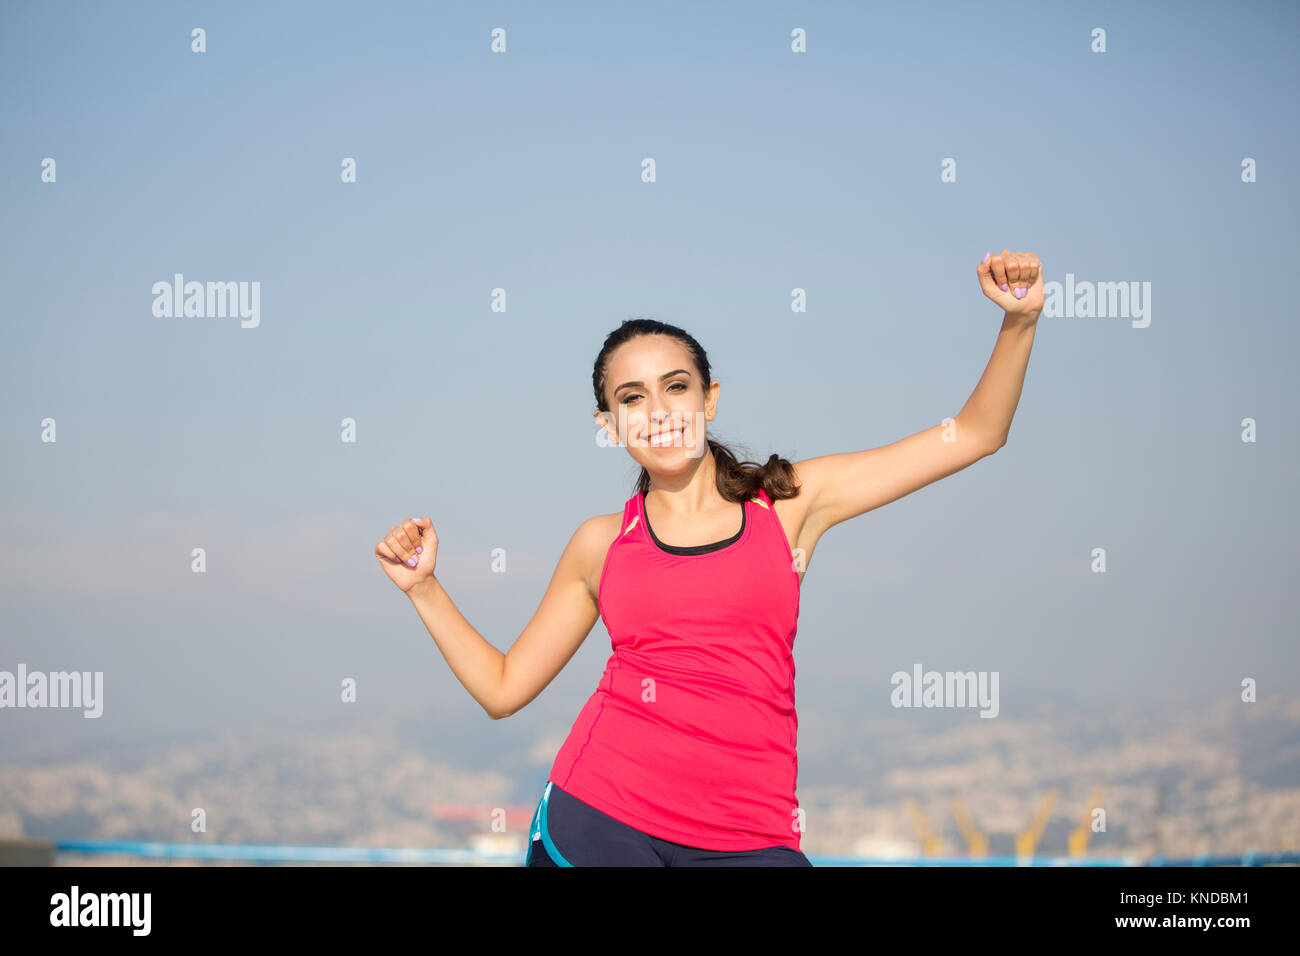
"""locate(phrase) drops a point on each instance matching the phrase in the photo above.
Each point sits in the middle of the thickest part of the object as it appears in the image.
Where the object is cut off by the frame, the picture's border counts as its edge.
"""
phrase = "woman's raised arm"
(839, 487)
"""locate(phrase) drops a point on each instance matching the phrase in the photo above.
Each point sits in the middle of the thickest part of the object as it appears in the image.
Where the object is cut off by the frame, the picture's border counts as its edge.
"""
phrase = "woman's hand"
(1002, 275)
(409, 552)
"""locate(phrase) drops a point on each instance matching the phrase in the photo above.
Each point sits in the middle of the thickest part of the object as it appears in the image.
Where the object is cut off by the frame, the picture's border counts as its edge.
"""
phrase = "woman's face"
(658, 405)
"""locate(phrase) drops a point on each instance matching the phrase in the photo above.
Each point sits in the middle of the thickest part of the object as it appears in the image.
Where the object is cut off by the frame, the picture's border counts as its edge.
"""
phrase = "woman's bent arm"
(475, 662)
(504, 683)
(564, 618)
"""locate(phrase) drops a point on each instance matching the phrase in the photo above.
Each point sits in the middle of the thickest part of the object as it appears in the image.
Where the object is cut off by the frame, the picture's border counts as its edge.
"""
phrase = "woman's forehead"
(651, 351)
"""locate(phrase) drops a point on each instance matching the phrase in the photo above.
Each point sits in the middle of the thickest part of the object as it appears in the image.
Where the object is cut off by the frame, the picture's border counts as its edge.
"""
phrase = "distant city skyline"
(1224, 779)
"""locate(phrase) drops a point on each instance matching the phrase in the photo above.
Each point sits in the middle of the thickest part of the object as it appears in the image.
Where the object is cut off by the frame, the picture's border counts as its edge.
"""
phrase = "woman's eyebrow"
(676, 371)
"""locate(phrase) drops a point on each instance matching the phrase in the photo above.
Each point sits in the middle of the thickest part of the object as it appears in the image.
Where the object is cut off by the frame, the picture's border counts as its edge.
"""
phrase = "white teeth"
(665, 438)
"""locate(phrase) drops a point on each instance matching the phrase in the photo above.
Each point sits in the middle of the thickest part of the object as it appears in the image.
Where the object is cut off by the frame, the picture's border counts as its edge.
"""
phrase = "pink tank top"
(691, 733)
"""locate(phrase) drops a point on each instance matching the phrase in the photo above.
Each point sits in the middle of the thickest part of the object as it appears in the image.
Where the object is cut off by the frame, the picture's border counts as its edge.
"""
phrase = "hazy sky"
(521, 171)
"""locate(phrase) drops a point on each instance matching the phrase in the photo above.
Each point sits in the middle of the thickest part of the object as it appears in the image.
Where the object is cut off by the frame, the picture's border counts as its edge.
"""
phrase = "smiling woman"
(685, 755)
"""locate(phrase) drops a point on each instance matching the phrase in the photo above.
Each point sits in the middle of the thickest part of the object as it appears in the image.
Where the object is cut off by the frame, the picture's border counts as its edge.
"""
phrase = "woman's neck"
(689, 495)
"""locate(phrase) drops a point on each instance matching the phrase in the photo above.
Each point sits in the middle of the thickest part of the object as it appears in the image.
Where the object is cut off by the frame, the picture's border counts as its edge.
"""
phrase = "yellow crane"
(976, 841)
(1027, 840)
(930, 844)
(1079, 837)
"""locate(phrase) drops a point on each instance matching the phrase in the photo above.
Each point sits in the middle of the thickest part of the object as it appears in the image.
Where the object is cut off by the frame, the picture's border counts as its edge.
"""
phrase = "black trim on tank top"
(698, 548)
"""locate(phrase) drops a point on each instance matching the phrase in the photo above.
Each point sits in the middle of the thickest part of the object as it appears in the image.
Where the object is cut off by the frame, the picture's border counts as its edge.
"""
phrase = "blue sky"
(521, 171)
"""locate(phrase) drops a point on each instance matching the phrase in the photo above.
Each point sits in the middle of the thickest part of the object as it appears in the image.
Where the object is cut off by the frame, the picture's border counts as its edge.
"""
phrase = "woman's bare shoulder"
(592, 542)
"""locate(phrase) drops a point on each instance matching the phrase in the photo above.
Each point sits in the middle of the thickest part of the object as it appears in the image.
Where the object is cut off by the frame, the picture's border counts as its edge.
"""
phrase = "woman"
(685, 754)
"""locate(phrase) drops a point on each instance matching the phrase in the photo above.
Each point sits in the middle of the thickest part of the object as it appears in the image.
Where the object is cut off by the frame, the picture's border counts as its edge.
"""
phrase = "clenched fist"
(408, 554)
(1014, 280)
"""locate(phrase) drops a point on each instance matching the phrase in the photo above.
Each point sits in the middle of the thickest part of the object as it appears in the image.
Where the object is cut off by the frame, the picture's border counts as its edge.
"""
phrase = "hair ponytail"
(740, 480)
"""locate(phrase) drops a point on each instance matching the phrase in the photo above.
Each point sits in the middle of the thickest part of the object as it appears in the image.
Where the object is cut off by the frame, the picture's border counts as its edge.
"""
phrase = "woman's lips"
(665, 439)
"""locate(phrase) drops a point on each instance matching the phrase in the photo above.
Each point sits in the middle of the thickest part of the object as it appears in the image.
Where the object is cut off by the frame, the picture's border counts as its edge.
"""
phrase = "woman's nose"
(661, 416)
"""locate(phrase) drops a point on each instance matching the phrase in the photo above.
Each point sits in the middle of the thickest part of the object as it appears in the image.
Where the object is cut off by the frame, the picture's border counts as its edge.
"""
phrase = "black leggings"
(567, 832)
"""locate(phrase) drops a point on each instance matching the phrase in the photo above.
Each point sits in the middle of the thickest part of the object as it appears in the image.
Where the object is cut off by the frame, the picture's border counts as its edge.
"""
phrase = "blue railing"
(270, 853)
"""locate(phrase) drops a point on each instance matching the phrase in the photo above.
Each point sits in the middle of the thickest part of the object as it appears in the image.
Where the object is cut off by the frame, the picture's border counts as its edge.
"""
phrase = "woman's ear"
(603, 420)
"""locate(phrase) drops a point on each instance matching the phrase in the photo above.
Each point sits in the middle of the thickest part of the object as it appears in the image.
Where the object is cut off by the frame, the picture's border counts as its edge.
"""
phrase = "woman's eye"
(629, 399)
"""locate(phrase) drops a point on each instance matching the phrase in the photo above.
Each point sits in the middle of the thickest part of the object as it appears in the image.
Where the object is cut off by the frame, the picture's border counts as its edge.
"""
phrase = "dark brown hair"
(737, 480)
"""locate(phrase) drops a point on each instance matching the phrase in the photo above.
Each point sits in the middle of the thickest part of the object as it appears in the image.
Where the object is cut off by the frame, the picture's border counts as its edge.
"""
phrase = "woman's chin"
(668, 461)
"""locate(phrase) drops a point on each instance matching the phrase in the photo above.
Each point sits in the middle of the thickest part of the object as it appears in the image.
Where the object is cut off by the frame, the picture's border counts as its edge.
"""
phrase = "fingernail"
(419, 550)
(1004, 287)
(987, 255)
(1019, 293)
(411, 562)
